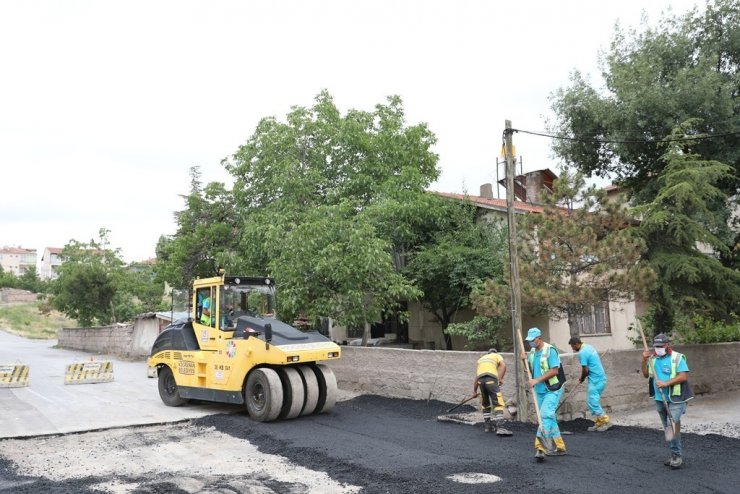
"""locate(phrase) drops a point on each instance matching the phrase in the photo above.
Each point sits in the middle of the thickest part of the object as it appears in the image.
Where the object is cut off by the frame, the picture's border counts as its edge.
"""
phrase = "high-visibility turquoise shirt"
(589, 357)
(553, 360)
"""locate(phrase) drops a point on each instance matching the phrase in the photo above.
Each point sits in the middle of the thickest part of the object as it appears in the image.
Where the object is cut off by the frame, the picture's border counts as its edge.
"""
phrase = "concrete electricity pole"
(516, 301)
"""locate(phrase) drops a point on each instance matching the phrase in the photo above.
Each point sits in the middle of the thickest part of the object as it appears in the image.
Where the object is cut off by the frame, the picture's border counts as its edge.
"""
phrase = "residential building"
(17, 260)
(605, 327)
(50, 262)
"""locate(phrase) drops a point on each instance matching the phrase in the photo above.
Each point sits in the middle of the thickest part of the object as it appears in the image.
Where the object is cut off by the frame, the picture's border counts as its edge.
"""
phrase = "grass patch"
(28, 321)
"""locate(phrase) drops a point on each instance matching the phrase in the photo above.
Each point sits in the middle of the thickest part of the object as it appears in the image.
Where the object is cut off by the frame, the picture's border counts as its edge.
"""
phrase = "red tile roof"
(498, 204)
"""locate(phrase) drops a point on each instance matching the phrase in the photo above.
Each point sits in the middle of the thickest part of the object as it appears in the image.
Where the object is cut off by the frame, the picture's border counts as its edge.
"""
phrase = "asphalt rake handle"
(570, 393)
(670, 430)
(463, 402)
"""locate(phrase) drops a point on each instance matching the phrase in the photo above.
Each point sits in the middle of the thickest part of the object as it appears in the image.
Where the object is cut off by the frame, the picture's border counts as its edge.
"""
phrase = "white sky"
(105, 105)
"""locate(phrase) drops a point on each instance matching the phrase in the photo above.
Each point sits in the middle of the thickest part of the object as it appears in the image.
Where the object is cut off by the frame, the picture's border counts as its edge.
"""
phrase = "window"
(595, 320)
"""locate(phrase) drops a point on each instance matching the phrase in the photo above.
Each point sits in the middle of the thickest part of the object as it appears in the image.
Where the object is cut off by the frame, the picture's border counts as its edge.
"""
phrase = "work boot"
(597, 423)
(488, 426)
(500, 429)
(604, 426)
(539, 455)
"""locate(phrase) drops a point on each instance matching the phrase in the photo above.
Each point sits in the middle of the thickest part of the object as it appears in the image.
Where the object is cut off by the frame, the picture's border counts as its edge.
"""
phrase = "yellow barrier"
(89, 372)
(13, 376)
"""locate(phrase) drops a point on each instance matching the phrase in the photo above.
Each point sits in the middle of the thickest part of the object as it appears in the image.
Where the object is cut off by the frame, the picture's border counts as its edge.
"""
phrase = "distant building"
(50, 262)
(17, 260)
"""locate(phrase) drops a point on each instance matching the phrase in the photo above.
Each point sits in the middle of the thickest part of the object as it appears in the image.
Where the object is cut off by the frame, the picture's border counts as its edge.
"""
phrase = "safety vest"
(204, 318)
(488, 365)
(555, 382)
(683, 393)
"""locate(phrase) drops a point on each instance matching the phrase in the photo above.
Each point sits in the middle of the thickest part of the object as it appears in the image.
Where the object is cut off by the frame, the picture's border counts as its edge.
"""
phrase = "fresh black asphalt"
(390, 445)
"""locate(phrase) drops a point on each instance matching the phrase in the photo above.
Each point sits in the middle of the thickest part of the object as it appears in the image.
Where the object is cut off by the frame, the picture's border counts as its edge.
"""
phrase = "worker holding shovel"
(547, 384)
(593, 370)
(490, 372)
(669, 385)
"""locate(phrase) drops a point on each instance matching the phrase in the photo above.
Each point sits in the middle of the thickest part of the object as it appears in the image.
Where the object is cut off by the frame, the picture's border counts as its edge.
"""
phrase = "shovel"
(476, 395)
(670, 430)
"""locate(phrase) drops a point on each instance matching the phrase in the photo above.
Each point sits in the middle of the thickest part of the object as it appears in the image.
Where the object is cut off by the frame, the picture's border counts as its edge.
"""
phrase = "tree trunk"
(366, 334)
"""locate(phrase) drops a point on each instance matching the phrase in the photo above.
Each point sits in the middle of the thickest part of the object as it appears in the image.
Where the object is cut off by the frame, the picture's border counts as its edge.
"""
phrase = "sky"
(106, 105)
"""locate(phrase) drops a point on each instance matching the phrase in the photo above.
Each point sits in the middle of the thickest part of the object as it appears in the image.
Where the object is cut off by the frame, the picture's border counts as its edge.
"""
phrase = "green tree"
(680, 230)
(207, 235)
(7, 279)
(95, 287)
(685, 69)
(578, 253)
(30, 280)
(85, 287)
(463, 252)
(315, 193)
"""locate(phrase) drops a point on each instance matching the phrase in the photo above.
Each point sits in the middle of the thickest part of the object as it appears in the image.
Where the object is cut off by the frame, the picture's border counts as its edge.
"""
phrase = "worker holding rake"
(547, 384)
(669, 385)
(490, 372)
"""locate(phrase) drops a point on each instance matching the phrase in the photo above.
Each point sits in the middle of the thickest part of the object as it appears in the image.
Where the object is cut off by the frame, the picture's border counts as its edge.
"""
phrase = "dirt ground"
(366, 444)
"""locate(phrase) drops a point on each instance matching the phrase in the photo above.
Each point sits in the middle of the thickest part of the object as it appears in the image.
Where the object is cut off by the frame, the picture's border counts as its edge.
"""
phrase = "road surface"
(366, 444)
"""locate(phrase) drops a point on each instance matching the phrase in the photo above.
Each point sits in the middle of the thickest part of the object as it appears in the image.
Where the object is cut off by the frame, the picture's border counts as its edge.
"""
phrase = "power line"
(629, 141)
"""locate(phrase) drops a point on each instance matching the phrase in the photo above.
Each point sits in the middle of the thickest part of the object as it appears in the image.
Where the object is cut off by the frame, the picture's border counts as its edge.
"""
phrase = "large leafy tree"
(685, 69)
(321, 196)
(463, 251)
(681, 230)
(579, 252)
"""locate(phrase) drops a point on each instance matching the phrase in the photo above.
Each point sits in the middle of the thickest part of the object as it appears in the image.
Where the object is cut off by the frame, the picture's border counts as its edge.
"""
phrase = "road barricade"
(89, 372)
(13, 375)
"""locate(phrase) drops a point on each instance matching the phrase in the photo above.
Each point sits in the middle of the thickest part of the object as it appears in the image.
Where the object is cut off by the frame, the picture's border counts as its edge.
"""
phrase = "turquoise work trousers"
(548, 403)
(595, 389)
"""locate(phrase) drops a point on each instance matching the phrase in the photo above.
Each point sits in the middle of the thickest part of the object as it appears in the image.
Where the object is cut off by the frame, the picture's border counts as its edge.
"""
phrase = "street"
(367, 444)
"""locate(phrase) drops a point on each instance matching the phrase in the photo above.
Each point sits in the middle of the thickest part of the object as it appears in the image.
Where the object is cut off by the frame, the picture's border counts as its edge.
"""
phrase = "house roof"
(495, 204)
(16, 250)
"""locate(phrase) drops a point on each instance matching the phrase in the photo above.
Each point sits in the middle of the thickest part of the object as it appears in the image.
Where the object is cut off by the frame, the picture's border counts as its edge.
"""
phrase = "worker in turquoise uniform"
(593, 370)
(205, 317)
(547, 385)
(670, 386)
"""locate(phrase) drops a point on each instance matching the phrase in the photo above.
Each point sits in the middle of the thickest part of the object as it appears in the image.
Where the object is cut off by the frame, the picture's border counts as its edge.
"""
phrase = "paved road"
(368, 444)
(48, 406)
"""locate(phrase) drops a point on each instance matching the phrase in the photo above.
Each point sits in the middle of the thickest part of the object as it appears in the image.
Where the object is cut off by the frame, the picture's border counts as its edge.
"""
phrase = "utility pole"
(516, 301)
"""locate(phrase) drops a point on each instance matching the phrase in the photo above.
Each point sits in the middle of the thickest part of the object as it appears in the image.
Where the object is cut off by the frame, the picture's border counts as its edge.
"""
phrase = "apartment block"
(17, 260)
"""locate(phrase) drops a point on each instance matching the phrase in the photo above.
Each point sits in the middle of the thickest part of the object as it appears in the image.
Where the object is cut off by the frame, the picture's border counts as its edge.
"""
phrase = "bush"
(705, 330)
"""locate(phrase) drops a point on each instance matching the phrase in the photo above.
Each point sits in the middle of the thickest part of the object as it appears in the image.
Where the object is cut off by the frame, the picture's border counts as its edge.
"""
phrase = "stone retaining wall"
(15, 295)
(124, 340)
(112, 340)
(448, 375)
